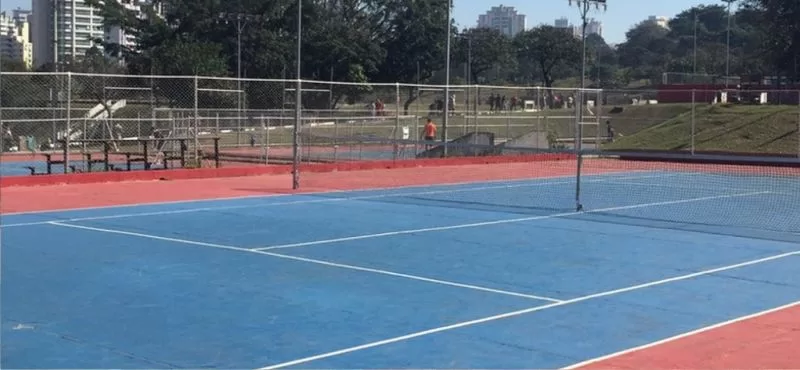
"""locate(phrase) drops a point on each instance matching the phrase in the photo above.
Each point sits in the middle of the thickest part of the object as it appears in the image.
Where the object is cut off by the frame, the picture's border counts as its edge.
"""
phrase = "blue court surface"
(478, 275)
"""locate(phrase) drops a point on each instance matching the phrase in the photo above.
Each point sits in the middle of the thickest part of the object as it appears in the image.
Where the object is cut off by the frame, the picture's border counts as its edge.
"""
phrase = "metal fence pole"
(539, 111)
(798, 123)
(265, 141)
(476, 101)
(196, 121)
(578, 149)
(296, 134)
(397, 121)
(69, 123)
(694, 124)
(598, 113)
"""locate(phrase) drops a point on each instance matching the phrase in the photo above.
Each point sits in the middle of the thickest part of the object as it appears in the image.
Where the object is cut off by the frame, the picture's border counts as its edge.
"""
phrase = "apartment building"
(505, 19)
(15, 40)
(64, 30)
(593, 27)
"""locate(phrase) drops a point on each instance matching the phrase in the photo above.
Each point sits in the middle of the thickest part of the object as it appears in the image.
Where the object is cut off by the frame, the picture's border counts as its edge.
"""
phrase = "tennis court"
(483, 274)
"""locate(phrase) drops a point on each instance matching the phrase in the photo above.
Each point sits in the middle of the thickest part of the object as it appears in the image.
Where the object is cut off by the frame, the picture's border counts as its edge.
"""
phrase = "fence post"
(196, 121)
(397, 121)
(476, 101)
(579, 105)
(265, 146)
(693, 120)
(296, 132)
(798, 124)
(69, 123)
(598, 109)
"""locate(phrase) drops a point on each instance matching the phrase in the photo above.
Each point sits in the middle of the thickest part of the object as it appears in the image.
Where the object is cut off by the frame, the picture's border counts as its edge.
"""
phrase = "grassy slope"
(749, 129)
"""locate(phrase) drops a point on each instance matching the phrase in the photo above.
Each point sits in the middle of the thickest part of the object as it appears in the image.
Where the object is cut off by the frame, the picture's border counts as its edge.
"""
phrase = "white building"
(593, 27)
(659, 21)
(15, 41)
(504, 19)
(562, 22)
(116, 35)
(66, 29)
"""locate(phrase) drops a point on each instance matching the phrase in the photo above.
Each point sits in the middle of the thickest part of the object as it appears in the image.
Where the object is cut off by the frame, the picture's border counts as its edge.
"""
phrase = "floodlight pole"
(728, 45)
(241, 23)
(694, 52)
(583, 6)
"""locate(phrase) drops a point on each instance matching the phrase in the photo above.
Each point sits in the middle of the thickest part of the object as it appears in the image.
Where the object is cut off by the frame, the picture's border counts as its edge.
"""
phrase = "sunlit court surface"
(416, 268)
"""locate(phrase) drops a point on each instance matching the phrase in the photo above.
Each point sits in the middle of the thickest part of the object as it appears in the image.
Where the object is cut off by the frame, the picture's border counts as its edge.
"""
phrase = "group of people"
(377, 108)
(437, 107)
(498, 103)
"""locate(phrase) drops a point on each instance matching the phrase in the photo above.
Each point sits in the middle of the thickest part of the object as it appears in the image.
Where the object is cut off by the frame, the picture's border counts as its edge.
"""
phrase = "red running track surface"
(767, 341)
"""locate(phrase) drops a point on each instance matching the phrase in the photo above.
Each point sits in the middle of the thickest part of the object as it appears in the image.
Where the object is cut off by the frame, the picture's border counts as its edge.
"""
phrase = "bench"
(90, 161)
(129, 159)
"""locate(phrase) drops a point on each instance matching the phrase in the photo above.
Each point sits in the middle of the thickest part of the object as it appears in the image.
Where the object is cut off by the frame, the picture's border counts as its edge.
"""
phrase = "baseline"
(244, 197)
(508, 185)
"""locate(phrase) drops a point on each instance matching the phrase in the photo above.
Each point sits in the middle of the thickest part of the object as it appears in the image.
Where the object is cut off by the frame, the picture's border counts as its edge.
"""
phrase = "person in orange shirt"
(430, 131)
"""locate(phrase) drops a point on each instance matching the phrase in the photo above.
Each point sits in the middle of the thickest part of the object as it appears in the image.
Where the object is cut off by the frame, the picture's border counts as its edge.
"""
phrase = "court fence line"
(345, 121)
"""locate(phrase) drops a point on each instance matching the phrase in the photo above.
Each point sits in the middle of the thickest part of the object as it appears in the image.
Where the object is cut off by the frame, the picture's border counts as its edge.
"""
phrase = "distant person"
(429, 133)
(610, 131)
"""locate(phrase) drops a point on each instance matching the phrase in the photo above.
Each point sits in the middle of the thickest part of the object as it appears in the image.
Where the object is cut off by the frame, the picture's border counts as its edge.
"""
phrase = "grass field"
(737, 128)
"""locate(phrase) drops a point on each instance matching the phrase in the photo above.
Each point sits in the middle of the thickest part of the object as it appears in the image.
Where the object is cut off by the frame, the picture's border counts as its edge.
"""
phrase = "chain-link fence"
(160, 120)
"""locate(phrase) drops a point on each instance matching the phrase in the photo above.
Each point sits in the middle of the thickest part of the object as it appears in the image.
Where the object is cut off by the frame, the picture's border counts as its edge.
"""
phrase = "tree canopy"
(404, 41)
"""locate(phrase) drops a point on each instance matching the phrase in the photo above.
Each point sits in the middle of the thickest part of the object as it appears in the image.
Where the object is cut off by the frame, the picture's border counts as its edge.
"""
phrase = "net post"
(693, 123)
(69, 122)
(578, 149)
(397, 120)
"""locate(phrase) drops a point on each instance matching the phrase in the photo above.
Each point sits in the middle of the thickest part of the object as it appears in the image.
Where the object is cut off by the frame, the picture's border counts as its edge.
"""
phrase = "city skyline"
(617, 20)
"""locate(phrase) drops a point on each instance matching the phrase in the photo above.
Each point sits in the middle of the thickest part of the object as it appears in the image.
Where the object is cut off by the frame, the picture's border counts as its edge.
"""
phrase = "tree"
(603, 68)
(414, 42)
(548, 49)
(781, 22)
(647, 50)
(486, 46)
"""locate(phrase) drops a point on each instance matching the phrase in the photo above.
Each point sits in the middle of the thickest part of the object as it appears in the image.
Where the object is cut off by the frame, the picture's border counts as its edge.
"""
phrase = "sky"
(620, 17)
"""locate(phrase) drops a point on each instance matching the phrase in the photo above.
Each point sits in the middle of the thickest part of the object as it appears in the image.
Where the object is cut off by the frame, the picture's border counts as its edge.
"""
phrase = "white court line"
(310, 260)
(522, 312)
(675, 186)
(502, 222)
(681, 336)
(509, 184)
(245, 197)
